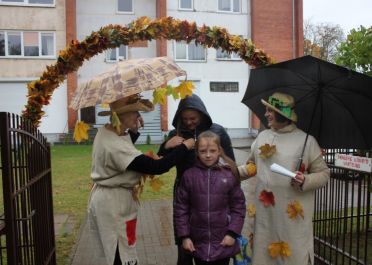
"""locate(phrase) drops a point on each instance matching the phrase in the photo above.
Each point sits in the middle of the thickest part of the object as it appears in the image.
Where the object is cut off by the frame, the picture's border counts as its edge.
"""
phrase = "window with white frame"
(125, 6)
(190, 52)
(185, 4)
(229, 5)
(224, 87)
(27, 44)
(222, 55)
(118, 54)
(28, 2)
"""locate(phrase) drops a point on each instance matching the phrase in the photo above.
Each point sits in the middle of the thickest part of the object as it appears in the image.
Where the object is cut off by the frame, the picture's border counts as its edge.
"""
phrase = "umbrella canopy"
(124, 79)
(333, 103)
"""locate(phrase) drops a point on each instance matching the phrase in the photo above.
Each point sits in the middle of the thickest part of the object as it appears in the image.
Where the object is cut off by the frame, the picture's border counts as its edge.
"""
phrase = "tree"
(356, 51)
(321, 40)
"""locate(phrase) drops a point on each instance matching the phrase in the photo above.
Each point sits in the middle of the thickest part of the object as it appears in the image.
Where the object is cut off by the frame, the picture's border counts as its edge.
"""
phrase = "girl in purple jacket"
(210, 205)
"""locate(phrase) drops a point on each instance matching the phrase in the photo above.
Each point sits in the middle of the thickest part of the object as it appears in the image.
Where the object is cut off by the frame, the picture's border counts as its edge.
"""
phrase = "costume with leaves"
(283, 231)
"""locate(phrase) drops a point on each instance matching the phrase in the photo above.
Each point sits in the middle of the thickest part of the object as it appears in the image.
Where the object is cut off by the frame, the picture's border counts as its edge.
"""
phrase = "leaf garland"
(267, 150)
(111, 36)
(267, 198)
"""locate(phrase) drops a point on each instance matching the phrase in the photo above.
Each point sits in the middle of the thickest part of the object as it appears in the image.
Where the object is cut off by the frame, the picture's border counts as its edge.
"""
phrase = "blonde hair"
(216, 139)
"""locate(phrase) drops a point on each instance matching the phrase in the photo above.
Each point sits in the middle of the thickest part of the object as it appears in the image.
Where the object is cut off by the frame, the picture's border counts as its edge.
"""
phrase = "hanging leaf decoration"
(185, 89)
(295, 210)
(267, 198)
(279, 249)
(267, 150)
(111, 36)
(81, 131)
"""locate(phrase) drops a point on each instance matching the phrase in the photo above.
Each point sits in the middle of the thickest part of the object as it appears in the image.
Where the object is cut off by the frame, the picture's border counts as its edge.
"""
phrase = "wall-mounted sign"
(354, 162)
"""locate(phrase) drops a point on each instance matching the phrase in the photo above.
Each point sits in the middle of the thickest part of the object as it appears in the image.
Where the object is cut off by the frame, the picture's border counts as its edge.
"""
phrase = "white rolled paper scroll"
(282, 170)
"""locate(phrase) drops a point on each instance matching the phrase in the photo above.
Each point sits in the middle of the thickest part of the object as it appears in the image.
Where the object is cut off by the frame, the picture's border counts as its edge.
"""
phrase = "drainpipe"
(293, 29)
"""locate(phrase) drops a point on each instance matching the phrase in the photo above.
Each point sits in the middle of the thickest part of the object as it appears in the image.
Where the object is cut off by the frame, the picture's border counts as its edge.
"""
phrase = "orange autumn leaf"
(267, 198)
(251, 169)
(81, 131)
(251, 209)
(156, 184)
(294, 210)
(185, 89)
(267, 150)
(280, 248)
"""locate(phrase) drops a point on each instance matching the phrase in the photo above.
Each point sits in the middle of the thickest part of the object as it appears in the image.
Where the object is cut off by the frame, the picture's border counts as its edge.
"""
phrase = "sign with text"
(354, 162)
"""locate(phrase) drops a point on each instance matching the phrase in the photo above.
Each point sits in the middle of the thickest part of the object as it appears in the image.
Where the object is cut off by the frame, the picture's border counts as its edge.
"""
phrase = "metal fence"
(26, 226)
(343, 218)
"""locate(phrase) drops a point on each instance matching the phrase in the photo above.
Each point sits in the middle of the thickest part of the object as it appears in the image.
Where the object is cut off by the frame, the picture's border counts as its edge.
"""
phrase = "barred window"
(224, 86)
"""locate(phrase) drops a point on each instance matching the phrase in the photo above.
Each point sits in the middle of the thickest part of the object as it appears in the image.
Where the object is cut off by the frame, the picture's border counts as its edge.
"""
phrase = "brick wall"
(276, 32)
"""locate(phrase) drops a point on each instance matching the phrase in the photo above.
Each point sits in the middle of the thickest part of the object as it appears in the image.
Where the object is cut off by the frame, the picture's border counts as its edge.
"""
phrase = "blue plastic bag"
(245, 254)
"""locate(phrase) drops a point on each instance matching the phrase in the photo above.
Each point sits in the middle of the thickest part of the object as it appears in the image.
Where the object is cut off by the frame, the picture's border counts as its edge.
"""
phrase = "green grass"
(71, 165)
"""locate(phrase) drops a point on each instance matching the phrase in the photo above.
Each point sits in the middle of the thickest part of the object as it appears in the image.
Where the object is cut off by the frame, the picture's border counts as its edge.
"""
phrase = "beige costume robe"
(112, 211)
(272, 223)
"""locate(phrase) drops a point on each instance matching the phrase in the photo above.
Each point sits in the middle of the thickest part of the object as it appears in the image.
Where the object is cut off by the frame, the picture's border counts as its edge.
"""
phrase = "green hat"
(283, 104)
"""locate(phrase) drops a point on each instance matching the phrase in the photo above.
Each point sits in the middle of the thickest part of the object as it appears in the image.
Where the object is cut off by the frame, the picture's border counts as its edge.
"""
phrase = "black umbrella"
(333, 103)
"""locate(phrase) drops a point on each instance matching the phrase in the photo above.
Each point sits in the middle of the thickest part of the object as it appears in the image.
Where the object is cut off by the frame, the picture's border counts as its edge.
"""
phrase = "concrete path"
(155, 242)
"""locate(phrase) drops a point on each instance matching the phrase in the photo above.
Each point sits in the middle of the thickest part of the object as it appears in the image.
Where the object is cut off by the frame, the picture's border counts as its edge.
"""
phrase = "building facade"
(220, 78)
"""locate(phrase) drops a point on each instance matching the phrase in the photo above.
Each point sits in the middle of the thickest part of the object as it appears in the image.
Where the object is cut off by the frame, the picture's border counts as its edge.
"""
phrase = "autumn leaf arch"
(70, 59)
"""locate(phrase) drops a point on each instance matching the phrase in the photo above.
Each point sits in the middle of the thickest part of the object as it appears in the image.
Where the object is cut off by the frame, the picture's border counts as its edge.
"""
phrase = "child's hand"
(228, 241)
(188, 245)
(173, 142)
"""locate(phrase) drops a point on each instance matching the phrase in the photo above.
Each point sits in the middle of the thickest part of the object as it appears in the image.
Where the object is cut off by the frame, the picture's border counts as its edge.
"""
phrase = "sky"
(348, 14)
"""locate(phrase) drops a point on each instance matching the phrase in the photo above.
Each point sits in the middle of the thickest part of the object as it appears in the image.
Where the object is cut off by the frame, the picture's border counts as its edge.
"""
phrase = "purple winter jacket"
(209, 204)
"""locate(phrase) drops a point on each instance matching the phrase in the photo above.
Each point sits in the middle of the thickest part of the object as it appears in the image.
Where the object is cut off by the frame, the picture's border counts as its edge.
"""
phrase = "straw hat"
(283, 104)
(128, 104)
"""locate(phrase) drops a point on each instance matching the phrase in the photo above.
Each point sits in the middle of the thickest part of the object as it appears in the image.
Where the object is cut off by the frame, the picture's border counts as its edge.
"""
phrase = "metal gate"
(343, 218)
(26, 226)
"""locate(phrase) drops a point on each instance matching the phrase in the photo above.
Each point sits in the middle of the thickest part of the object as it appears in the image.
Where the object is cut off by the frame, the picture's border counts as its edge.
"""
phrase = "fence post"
(11, 232)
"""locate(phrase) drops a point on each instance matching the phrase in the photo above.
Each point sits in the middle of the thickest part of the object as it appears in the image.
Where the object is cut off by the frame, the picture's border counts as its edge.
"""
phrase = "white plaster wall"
(94, 14)
(16, 73)
(225, 108)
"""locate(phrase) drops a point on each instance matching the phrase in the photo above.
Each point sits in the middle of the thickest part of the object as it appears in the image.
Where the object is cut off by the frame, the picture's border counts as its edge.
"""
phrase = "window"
(229, 5)
(28, 2)
(190, 52)
(224, 86)
(117, 54)
(221, 55)
(27, 44)
(186, 4)
(125, 6)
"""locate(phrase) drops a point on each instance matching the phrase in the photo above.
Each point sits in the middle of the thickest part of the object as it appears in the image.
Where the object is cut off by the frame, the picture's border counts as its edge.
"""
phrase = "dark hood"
(195, 103)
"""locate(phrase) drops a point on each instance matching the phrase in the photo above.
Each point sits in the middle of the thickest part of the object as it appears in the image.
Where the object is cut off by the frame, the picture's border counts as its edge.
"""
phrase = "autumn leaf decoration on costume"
(181, 91)
(267, 198)
(280, 248)
(155, 182)
(295, 209)
(267, 150)
(81, 131)
(251, 209)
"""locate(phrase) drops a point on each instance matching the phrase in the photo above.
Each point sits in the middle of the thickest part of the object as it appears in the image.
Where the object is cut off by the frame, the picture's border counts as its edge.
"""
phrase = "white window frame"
(124, 12)
(26, 3)
(186, 9)
(231, 7)
(187, 53)
(229, 56)
(118, 58)
(40, 56)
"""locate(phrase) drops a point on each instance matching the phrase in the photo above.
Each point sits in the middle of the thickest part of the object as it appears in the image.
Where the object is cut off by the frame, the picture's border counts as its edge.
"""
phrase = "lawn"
(71, 186)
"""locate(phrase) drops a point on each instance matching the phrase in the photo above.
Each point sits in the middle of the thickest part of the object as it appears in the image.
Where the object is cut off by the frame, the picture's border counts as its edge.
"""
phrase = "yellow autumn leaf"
(280, 248)
(295, 209)
(160, 95)
(81, 131)
(156, 184)
(185, 89)
(251, 209)
(267, 150)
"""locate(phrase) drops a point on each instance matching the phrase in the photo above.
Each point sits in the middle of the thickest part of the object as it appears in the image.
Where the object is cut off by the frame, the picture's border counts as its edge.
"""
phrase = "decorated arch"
(70, 59)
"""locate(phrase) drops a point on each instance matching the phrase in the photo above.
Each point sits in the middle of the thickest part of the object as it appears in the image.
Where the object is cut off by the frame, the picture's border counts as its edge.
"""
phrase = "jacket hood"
(195, 103)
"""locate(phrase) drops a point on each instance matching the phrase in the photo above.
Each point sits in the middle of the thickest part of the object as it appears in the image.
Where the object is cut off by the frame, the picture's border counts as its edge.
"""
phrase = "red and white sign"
(354, 162)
